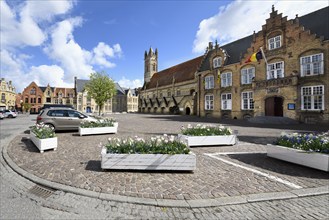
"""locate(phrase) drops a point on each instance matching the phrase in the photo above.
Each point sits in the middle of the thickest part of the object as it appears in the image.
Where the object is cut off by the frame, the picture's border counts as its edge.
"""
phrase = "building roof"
(80, 84)
(181, 72)
(317, 22)
(134, 92)
(43, 88)
(120, 90)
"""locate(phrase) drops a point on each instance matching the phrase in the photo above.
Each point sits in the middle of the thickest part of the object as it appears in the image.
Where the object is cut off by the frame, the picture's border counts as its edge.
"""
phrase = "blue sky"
(53, 41)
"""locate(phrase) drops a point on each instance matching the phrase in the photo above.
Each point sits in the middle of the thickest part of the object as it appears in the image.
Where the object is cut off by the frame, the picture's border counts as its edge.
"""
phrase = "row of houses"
(36, 96)
(290, 79)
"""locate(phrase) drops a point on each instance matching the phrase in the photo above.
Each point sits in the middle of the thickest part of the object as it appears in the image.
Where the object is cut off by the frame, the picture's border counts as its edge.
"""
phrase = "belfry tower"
(150, 64)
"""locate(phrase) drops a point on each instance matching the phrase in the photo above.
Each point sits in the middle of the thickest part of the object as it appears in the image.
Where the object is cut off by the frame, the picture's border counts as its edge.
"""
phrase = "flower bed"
(202, 135)
(161, 153)
(304, 149)
(43, 137)
(105, 126)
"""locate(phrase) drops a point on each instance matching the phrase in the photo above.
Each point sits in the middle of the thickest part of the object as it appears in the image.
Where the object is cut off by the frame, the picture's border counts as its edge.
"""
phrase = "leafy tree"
(27, 107)
(101, 88)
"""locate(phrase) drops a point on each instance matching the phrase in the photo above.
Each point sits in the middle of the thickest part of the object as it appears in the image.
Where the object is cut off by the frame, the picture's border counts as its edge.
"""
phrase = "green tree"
(26, 107)
(101, 88)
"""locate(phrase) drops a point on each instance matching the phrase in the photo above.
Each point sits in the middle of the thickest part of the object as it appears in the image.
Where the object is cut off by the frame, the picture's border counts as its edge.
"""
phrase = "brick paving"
(77, 162)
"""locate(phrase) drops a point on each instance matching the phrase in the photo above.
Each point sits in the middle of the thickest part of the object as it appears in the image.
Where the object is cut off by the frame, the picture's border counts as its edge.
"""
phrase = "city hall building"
(281, 70)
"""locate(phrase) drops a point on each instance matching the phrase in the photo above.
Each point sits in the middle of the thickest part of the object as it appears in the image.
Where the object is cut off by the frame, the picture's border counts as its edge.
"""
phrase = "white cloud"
(75, 60)
(126, 83)
(102, 51)
(240, 18)
(20, 26)
(52, 75)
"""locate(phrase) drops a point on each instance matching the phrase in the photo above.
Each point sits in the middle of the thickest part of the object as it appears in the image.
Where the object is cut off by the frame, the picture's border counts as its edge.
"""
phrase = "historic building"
(282, 70)
(132, 100)
(8, 95)
(172, 90)
(119, 102)
(290, 79)
(37, 96)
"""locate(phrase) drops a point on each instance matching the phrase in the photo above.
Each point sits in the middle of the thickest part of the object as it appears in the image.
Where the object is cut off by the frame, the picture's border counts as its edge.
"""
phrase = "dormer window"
(274, 42)
(217, 62)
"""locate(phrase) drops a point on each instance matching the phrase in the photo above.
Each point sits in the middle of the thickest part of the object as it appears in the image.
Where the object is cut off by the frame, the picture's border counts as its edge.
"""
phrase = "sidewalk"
(75, 167)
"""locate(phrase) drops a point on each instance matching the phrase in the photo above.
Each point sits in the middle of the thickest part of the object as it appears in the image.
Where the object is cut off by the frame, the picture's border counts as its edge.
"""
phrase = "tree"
(27, 107)
(101, 88)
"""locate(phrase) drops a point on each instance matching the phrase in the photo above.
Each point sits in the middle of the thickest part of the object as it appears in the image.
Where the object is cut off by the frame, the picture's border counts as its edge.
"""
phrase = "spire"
(150, 51)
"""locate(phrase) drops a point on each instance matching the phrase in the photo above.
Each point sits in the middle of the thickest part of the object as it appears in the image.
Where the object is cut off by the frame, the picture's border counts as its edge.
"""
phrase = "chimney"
(210, 46)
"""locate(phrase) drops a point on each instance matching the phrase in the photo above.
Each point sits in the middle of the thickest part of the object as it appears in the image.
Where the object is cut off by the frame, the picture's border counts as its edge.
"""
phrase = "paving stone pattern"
(76, 162)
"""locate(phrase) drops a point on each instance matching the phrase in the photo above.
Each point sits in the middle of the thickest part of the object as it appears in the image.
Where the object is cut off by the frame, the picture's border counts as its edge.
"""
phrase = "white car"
(1, 115)
(9, 114)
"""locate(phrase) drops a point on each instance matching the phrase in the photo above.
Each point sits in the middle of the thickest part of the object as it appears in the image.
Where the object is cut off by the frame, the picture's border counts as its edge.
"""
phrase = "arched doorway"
(88, 109)
(274, 106)
(187, 111)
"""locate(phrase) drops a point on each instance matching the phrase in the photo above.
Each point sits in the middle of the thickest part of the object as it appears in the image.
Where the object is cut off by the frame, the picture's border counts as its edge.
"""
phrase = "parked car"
(9, 114)
(63, 118)
(56, 106)
(1, 115)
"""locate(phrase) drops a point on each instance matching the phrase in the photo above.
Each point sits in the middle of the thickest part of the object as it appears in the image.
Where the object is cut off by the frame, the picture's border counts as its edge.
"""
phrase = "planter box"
(208, 140)
(309, 159)
(180, 162)
(99, 130)
(43, 144)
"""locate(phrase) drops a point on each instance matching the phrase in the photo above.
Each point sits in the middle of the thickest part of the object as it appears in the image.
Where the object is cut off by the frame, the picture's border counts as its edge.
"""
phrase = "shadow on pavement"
(279, 166)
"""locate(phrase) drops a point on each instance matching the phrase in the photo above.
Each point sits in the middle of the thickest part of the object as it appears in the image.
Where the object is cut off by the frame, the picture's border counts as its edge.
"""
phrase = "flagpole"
(261, 49)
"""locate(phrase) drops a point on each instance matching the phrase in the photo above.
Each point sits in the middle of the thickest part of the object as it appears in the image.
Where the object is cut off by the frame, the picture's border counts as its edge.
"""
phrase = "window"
(226, 79)
(178, 92)
(275, 70)
(311, 65)
(247, 74)
(217, 62)
(39, 100)
(169, 94)
(3, 97)
(274, 42)
(33, 91)
(48, 99)
(26, 100)
(247, 101)
(313, 98)
(209, 82)
(227, 101)
(48, 93)
(209, 102)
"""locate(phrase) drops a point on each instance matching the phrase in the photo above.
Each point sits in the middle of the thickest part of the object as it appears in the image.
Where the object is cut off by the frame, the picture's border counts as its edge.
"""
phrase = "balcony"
(280, 82)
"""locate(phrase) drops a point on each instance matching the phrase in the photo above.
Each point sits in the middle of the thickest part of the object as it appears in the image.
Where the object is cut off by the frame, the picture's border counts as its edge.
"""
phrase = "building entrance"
(274, 106)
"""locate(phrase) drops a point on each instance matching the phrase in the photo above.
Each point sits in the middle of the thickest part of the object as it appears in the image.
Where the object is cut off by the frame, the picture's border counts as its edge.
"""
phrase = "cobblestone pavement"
(77, 163)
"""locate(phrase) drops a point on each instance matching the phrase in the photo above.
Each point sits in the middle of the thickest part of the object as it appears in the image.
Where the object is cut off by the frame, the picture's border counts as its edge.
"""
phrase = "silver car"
(63, 118)
(9, 114)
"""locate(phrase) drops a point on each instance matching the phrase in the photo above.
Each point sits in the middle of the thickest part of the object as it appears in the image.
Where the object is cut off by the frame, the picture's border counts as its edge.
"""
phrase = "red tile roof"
(182, 72)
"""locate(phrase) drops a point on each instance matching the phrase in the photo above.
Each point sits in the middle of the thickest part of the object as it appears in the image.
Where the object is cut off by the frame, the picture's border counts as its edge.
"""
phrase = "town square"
(237, 130)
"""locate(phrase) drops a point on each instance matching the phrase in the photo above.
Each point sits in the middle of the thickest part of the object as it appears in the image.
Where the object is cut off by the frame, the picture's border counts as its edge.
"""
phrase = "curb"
(197, 203)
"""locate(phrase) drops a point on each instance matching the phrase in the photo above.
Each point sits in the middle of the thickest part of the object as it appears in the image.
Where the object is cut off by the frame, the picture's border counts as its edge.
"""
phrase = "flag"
(255, 57)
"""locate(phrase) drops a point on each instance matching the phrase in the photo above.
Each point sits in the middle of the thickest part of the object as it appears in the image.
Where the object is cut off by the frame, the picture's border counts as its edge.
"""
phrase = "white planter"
(180, 162)
(309, 159)
(43, 144)
(208, 140)
(99, 130)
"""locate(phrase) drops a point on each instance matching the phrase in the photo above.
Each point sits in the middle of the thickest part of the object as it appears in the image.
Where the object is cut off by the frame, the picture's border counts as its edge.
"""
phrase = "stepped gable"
(317, 22)
(181, 72)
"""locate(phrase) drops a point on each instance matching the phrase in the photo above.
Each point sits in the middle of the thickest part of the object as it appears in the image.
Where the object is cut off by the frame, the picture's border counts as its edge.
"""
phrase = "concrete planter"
(180, 162)
(208, 140)
(309, 159)
(99, 130)
(43, 144)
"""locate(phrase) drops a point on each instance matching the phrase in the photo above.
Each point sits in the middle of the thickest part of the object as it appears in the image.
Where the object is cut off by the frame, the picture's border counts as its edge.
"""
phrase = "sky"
(53, 41)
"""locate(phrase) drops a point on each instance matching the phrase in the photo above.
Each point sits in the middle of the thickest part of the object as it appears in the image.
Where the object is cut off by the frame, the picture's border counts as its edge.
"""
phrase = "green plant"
(205, 130)
(308, 142)
(156, 145)
(43, 131)
(107, 122)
